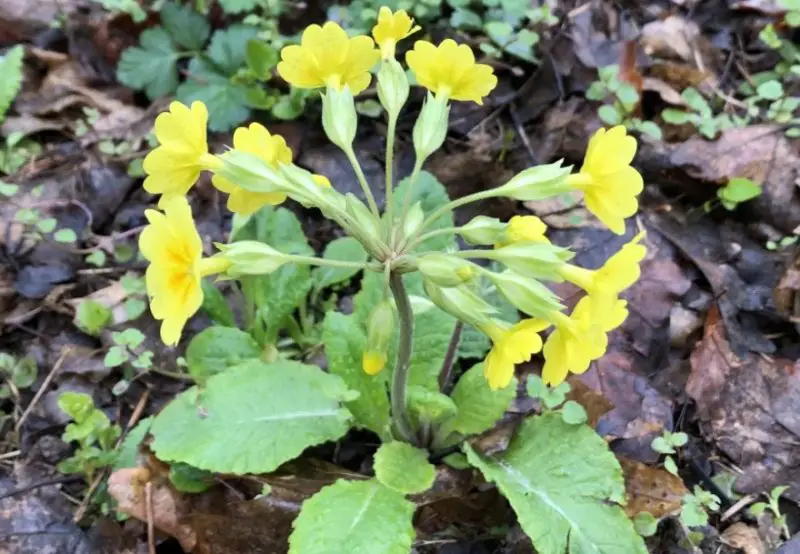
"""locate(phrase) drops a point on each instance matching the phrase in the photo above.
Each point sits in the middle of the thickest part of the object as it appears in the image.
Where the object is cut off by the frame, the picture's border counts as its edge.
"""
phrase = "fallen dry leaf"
(676, 37)
(743, 537)
(651, 489)
(747, 405)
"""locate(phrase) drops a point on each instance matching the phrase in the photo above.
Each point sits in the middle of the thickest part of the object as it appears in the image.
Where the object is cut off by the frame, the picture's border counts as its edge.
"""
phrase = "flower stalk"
(402, 366)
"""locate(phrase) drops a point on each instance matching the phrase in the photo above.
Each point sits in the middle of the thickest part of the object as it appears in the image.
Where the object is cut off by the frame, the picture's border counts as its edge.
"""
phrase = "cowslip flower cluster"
(258, 170)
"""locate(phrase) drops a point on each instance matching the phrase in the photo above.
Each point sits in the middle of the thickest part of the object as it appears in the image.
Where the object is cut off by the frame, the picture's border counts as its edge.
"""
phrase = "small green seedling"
(621, 100)
(668, 443)
(773, 506)
(555, 398)
(93, 432)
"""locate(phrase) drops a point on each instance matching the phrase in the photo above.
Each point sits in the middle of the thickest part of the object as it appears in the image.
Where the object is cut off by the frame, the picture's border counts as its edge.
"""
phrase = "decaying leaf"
(743, 537)
(651, 489)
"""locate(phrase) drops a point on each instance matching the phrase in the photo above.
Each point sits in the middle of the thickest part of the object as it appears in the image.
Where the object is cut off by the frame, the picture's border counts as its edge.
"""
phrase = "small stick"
(42, 389)
(151, 536)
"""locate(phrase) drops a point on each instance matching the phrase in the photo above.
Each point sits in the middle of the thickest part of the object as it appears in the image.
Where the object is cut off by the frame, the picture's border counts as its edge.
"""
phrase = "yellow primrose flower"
(618, 273)
(450, 70)
(579, 339)
(609, 183)
(175, 252)
(391, 28)
(510, 346)
(523, 228)
(272, 149)
(174, 166)
(327, 57)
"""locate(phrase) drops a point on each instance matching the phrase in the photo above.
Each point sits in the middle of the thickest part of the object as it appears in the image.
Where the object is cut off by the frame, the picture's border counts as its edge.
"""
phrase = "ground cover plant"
(433, 277)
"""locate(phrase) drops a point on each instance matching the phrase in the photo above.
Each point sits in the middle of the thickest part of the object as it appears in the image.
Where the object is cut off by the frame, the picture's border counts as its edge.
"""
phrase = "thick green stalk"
(402, 366)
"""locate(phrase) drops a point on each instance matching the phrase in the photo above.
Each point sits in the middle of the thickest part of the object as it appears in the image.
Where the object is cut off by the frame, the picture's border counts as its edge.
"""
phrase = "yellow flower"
(373, 362)
(510, 346)
(523, 228)
(618, 273)
(174, 166)
(327, 57)
(175, 252)
(609, 183)
(450, 70)
(272, 149)
(579, 339)
(391, 28)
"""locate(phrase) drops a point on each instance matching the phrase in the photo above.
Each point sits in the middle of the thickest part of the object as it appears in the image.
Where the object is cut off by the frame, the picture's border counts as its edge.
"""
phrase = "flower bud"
(527, 295)
(366, 229)
(537, 183)
(446, 271)
(250, 257)
(380, 327)
(414, 220)
(540, 260)
(460, 302)
(430, 129)
(339, 117)
(392, 87)
(251, 172)
(482, 230)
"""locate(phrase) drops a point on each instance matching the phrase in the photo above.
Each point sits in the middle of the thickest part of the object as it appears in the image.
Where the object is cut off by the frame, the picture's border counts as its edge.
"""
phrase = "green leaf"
(771, 90)
(151, 65)
(130, 337)
(608, 115)
(116, 356)
(403, 468)
(344, 341)
(573, 413)
(261, 58)
(357, 517)
(47, 225)
(216, 349)
(479, 407)
(10, 77)
(65, 236)
(216, 306)
(627, 94)
(431, 194)
(128, 452)
(278, 294)
(430, 406)
(186, 27)
(697, 102)
(8, 189)
(675, 116)
(239, 6)
(739, 189)
(92, 317)
(77, 405)
(23, 375)
(345, 249)
(228, 48)
(96, 258)
(252, 418)
(186, 478)
(651, 129)
(671, 466)
(645, 524)
(662, 446)
(563, 482)
(596, 91)
(227, 101)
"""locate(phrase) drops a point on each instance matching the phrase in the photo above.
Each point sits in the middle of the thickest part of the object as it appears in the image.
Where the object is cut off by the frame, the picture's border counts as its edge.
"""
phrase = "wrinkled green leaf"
(345, 249)
(92, 317)
(261, 58)
(252, 418)
(227, 102)
(404, 468)
(563, 482)
(357, 517)
(216, 349)
(216, 305)
(10, 77)
(344, 341)
(479, 407)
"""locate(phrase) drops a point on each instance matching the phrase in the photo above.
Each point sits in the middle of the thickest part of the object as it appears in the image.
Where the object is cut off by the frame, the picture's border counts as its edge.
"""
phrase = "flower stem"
(390, 175)
(402, 364)
(422, 238)
(409, 190)
(449, 207)
(362, 180)
(310, 260)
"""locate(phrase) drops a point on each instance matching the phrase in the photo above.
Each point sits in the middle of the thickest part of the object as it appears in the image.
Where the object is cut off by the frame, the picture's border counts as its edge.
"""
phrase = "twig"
(446, 373)
(148, 507)
(39, 484)
(42, 389)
